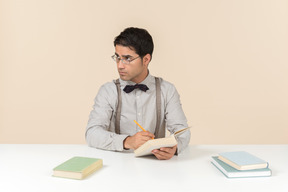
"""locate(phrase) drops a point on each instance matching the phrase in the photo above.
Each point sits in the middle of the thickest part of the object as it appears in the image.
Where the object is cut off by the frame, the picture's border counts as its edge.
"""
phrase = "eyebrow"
(127, 56)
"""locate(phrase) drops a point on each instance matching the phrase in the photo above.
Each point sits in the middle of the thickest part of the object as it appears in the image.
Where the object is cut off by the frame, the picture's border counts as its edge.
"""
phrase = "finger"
(147, 137)
(165, 152)
(161, 155)
(144, 139)
(147, 134)
(142, 135)
(168, 149)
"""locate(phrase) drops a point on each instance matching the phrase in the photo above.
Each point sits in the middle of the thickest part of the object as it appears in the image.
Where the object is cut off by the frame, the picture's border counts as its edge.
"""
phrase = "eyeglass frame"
(124, 61)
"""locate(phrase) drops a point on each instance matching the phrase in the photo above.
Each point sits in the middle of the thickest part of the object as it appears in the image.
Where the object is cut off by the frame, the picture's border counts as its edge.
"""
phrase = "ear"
(147, 59)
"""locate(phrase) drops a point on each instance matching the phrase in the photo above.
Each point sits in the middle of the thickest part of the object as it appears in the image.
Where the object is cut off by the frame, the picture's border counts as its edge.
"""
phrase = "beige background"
(228, 60)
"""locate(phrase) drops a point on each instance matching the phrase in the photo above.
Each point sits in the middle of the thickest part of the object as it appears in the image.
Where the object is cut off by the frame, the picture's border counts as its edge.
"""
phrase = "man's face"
(136, 70)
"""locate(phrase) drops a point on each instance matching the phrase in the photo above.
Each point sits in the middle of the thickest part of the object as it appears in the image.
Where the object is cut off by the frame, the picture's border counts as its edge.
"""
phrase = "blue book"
(231, 172)
(242, 160)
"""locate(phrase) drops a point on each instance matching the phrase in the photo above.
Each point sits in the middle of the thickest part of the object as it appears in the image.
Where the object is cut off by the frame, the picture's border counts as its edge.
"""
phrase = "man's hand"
(165, 153)
(135, 141)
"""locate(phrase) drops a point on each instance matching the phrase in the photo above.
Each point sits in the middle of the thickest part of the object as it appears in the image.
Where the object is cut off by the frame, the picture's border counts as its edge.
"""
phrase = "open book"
(152, 144)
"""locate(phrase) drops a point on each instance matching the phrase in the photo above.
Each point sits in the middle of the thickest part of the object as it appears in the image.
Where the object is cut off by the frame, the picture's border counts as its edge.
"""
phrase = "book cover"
(152, 144)
(231, 172)
(242, 160)
(77, 167)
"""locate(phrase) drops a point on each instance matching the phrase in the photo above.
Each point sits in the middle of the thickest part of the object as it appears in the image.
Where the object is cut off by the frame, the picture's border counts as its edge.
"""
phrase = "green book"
(77, 167)
(231, 172)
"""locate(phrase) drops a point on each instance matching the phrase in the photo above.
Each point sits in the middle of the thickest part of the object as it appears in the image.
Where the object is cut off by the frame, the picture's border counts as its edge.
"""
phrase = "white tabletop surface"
(28, 167)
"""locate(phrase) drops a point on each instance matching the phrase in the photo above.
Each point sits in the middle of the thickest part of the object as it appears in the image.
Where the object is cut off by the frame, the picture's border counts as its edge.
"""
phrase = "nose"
(120, 64)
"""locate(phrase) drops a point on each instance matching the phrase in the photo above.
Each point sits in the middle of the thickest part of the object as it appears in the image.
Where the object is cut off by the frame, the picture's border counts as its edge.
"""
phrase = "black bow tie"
(129, 88)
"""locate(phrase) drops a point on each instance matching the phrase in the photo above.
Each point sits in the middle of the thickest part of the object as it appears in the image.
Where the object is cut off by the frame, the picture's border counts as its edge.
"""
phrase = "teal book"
(231, 172)
(242, 160)
(77, 167)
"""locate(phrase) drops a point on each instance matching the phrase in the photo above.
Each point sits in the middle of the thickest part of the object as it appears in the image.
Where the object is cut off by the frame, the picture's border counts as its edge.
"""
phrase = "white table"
(25, 167)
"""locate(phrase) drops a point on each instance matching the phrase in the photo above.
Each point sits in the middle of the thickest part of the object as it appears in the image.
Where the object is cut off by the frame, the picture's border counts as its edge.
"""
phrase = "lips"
(122, 73)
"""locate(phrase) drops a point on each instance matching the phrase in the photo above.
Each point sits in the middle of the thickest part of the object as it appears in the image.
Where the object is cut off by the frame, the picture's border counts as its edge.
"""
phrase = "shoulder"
(107, 94)
(169, 91)
(109, 85)
(167, 86)
(108, 89)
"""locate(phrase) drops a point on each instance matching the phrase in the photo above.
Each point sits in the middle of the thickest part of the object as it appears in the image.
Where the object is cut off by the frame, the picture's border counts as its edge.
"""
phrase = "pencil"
(141, 127)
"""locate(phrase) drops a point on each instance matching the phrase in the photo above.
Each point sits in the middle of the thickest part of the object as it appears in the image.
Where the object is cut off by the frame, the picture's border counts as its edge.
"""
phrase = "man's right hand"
(135, 141)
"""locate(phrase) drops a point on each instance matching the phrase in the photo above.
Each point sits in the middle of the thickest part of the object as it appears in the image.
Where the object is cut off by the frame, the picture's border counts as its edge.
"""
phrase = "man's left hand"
(165, 153)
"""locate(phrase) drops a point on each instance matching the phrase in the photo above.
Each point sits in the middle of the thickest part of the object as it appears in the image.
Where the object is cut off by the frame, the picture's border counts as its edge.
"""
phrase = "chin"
(124, 78)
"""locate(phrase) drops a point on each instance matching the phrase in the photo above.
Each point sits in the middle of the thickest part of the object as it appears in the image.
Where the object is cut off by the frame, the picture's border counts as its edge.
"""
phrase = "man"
(153, 102)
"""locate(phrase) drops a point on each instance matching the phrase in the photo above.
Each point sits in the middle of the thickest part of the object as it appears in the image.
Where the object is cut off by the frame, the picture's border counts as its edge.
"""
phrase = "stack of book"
(241, 164)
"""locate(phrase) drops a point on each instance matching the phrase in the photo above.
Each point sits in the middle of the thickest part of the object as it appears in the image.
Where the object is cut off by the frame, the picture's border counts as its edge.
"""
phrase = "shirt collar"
(147, 81)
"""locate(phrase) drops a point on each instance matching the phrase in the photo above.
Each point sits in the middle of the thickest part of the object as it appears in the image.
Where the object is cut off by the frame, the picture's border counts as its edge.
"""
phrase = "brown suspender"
(118, 109)
(158, 131)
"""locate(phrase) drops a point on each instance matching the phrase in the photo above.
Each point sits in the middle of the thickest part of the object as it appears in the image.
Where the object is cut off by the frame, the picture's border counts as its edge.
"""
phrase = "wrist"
(126, 144)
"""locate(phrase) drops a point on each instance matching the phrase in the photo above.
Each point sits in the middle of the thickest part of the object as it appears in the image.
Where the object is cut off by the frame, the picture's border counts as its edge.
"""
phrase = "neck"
(142, 77)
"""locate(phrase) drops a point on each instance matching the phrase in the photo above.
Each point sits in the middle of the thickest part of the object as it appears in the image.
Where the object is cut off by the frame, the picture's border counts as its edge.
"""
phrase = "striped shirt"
(136, 105)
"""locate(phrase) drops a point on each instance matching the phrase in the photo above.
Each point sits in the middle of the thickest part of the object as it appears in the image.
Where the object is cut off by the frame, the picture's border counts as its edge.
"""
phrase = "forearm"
(102, 139)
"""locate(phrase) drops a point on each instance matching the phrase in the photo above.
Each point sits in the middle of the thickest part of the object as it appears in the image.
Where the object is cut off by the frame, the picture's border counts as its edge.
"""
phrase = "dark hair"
(136, 39)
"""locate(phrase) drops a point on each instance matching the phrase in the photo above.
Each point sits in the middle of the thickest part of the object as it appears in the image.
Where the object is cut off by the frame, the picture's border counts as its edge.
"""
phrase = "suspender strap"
(118, 109)
(158, 131)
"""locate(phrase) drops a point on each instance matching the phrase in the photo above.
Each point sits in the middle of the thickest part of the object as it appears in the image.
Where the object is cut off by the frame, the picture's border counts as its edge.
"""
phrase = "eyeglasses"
(126, 60)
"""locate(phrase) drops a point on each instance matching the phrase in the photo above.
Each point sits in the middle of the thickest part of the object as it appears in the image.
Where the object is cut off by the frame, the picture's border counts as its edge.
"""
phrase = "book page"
(177, 133)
